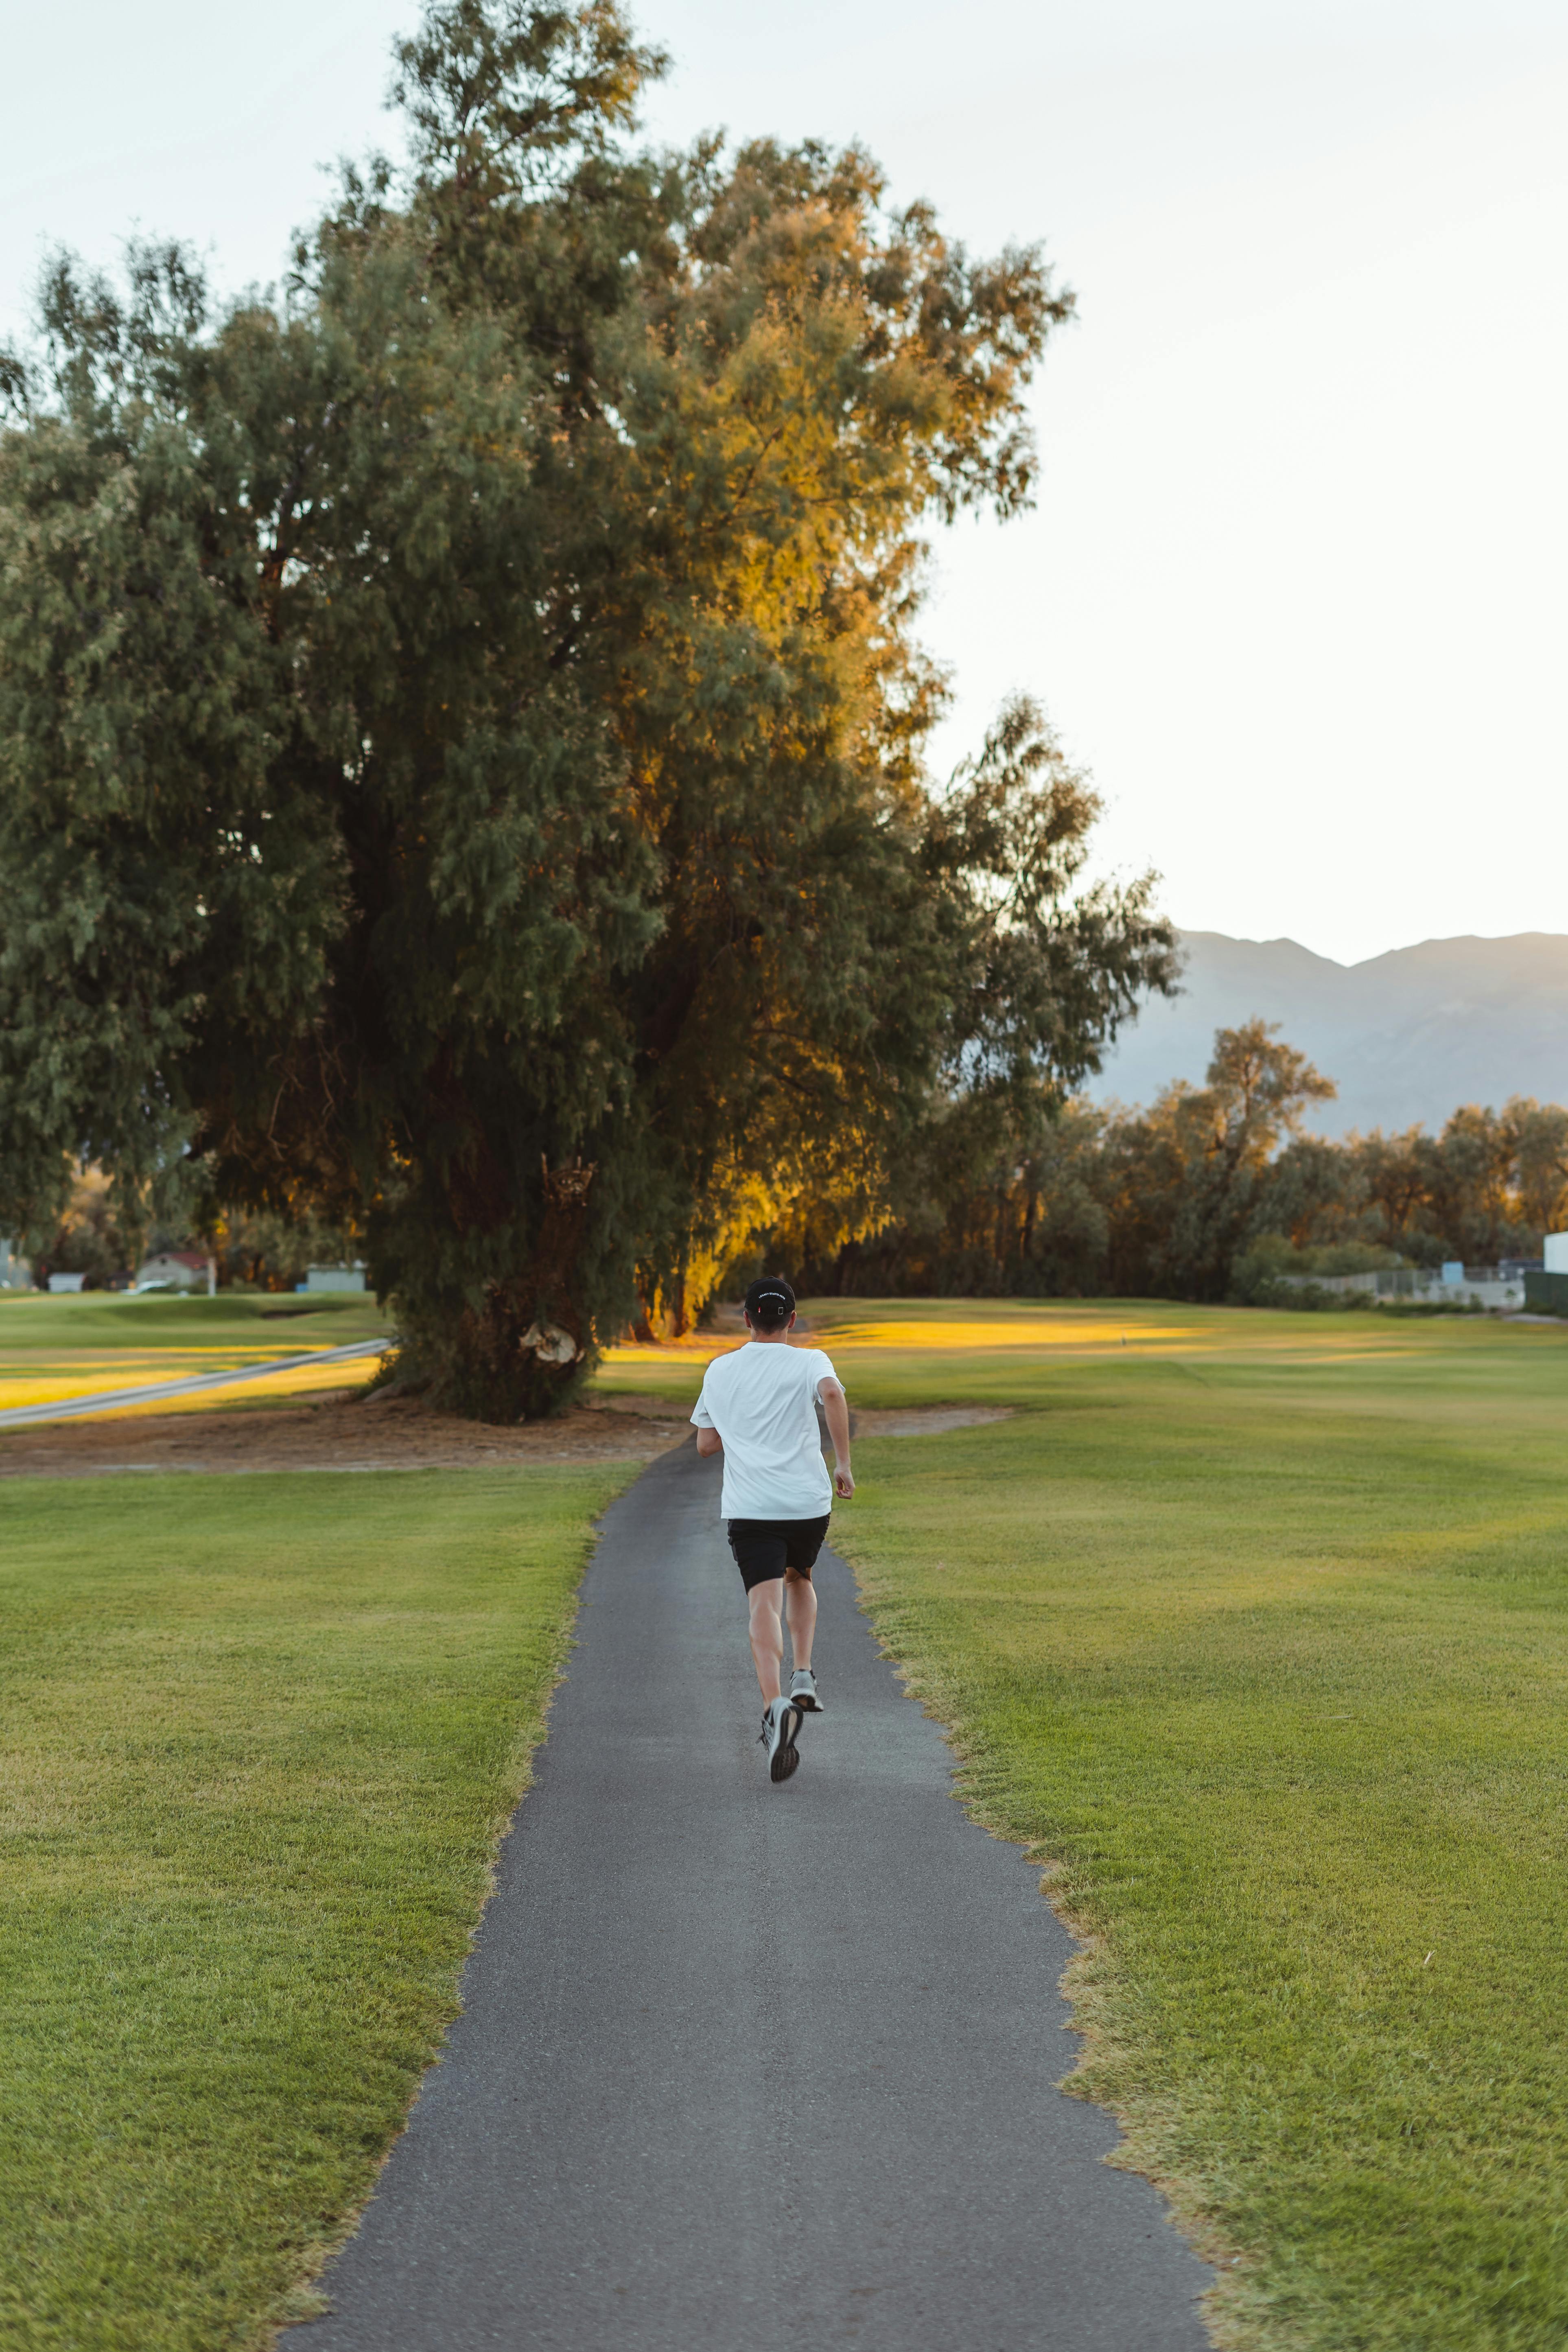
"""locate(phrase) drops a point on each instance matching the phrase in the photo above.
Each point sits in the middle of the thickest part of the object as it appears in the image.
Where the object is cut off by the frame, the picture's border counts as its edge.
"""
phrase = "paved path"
(738, 2060)
(21, 1416)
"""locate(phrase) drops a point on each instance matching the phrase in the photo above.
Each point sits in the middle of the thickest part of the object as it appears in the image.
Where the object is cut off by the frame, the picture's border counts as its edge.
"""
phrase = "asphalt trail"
(736, 2058)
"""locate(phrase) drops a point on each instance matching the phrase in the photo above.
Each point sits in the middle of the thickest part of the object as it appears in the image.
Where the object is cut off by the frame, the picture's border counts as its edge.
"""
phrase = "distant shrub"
(1432, 1307)
(1307, 1298)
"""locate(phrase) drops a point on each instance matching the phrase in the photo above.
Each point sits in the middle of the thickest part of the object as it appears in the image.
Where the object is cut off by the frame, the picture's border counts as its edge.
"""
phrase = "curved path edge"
(735, 2057)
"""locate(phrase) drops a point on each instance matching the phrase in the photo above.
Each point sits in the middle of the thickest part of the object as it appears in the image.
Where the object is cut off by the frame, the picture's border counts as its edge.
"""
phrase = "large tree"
(460, 727)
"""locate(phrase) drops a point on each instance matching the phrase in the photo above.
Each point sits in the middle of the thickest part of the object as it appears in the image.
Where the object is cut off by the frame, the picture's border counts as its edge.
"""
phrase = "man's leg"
(767, 1634)
(800, 1608)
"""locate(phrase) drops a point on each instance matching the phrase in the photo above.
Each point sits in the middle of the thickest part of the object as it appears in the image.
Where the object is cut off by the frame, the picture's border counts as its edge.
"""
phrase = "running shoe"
(803, 1692)
(781, 1721)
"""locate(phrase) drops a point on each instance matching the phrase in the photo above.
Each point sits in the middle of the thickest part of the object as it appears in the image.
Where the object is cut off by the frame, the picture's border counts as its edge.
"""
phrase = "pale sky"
(1295, 589)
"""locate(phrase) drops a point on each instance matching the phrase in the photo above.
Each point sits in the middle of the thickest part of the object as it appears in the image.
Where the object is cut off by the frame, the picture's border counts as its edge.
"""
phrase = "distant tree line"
(102, 1232)
(1209, 1193)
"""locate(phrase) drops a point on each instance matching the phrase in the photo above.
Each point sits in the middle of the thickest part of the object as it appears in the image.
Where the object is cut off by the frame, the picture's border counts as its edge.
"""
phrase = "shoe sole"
(804, 1705)
(786, 1754)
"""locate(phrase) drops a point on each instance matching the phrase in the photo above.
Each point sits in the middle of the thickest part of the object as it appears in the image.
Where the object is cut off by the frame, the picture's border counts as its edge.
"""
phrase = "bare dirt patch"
(924, 1420)
(336, 1433)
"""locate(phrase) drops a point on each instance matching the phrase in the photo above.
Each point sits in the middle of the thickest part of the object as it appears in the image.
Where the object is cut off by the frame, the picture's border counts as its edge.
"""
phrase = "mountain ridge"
(1407, 1036)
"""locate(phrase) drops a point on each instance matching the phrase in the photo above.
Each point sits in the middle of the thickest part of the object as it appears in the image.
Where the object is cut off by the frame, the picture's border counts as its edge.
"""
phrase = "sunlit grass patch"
(55, 1350)
(65, 1384)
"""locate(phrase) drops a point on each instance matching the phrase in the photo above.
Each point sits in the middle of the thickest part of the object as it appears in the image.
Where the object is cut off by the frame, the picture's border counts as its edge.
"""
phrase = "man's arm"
(835, 1411)
(708, 1438)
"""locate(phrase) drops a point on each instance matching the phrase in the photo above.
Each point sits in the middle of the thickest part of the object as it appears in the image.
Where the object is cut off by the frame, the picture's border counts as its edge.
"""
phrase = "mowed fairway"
(85, 1344)
(1255, 1628)
(260, 1736)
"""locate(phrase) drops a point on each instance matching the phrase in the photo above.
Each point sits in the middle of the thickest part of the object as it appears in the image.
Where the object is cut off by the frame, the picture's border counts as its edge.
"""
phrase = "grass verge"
(262, 1734)
(83, 1344)
(1255, 1632)
(244, 1326)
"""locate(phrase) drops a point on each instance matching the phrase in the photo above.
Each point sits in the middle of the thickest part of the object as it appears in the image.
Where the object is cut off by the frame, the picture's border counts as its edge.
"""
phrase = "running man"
(758, 1408)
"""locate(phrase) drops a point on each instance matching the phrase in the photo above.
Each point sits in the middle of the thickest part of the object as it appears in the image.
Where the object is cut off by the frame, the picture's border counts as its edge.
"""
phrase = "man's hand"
(836, 1412)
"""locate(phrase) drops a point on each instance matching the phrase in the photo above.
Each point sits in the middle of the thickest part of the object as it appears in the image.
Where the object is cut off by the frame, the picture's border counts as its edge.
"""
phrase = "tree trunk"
(521, 1355)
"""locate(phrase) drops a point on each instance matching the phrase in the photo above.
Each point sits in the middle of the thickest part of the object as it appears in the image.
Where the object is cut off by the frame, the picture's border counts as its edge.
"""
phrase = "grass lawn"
(260, 1735)
(79, 1344)
(1254, 1627)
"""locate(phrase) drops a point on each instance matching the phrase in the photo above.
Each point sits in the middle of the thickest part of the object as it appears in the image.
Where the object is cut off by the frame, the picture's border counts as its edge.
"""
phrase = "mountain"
(1407, 1037)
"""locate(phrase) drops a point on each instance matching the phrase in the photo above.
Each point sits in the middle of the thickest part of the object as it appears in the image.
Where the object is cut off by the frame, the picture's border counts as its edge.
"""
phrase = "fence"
(1483, 1286)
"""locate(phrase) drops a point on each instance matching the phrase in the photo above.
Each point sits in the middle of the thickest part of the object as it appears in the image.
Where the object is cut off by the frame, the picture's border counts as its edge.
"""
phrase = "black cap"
(770, 1301)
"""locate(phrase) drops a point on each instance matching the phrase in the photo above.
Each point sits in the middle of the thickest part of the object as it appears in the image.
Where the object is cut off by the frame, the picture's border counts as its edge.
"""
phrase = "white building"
(334, 1278)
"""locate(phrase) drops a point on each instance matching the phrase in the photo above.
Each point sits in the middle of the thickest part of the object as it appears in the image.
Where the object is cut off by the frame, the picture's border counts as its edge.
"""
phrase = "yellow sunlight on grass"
(59, 1383)
(1041, 1331)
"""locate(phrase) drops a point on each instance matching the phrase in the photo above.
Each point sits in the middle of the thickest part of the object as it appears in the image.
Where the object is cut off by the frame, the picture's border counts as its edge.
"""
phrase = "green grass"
(30, 1320)
(75, 1344)
(1256, 1631)
(261, 1734)
(1253, 1626)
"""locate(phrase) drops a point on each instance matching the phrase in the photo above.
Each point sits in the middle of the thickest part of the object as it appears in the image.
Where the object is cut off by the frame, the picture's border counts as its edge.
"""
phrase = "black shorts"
(765, 1548)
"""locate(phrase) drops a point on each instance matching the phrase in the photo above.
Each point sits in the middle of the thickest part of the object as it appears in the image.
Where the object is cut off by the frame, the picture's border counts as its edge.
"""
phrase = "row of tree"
(1206, 1194)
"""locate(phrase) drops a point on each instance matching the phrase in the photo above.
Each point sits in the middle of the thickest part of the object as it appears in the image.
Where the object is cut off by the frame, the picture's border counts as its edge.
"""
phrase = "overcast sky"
(1295, 589)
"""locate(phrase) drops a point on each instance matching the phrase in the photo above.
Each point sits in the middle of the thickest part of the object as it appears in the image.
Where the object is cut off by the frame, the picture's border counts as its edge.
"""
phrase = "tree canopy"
(461, 723)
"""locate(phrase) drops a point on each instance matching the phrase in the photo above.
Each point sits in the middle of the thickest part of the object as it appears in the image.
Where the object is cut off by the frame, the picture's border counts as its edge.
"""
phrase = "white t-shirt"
(762, 1399)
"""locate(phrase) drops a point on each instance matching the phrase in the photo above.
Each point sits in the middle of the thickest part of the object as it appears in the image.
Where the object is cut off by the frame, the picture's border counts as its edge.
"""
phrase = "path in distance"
(737, 2058)
(100, 1400)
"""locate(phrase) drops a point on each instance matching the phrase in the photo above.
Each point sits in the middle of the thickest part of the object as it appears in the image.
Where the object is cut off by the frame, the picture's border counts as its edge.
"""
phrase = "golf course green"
(91, 1342)
(1253, 1627)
